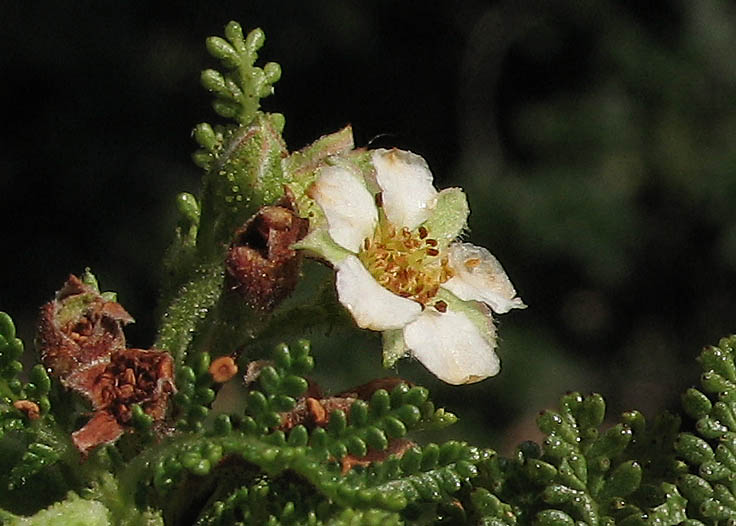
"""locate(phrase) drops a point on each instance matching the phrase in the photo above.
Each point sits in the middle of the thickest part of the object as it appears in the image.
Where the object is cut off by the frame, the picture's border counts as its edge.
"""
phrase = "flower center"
(408, 263)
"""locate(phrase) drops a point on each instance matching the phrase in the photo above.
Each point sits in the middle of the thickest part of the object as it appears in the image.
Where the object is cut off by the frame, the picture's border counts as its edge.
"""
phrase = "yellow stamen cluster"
(408, 263)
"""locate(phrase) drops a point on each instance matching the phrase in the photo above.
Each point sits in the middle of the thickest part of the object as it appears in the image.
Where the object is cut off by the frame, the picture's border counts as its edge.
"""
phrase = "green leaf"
(239, 90)
(73, 511)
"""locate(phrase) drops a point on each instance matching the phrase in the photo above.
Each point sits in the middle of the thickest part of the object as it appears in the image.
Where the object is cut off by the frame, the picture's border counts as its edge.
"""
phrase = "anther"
(440, 305)
(223, 368)
(379, 199)
(423, 232)
(433, 252)
(431, 242)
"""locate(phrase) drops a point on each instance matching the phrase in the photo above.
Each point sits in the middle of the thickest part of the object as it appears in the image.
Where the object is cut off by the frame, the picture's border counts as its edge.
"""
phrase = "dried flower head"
(132, 376)
(78, 328)
(83, 345)
(261, 261)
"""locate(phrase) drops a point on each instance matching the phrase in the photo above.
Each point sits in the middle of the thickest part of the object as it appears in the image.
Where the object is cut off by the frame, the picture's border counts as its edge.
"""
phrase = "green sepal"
(394, 347)
(302, 167)
(90, 280)
(319, 243)
(449, 216)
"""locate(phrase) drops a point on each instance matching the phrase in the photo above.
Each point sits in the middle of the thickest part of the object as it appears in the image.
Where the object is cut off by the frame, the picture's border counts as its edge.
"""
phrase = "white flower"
(391, 237)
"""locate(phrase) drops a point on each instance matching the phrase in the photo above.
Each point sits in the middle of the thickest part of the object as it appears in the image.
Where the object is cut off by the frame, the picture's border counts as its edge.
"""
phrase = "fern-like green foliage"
(287, 454)
(238, 92)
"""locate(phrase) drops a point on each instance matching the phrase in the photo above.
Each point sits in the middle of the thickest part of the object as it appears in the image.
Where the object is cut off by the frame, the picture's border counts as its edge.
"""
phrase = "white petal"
(406, 182)
(348, 205)
(372, 306)
(479, 276)
(451, 347)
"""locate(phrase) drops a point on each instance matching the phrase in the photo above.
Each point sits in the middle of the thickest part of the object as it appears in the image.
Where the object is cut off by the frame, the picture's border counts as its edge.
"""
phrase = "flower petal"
(372, 306)
(479, 276)
(451, 347)
(348, 205)
(406, 183)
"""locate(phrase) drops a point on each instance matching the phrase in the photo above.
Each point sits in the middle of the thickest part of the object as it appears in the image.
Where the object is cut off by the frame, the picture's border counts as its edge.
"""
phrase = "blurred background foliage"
(596, 141)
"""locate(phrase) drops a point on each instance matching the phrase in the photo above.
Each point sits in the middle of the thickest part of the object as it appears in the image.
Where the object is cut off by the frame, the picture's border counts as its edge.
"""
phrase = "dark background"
(596, 141)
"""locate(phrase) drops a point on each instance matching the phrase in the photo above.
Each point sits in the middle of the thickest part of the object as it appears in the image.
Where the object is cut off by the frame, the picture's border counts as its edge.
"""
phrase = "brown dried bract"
(78, 328)
(253, 371)
(313, 410)
(365, 391)
(260, 261)
(102, 428)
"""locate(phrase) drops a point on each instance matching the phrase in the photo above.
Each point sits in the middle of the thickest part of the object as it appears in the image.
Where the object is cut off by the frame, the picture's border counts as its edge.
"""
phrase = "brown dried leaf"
(397, 446)
(313, 409)
(365, 391)
(30, 409)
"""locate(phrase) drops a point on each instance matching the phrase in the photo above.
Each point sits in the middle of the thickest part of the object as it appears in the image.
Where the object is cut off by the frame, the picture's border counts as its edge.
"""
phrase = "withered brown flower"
(83, 345)
(314, 410)
(261, 263)
(78, 328)
(132, 376)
